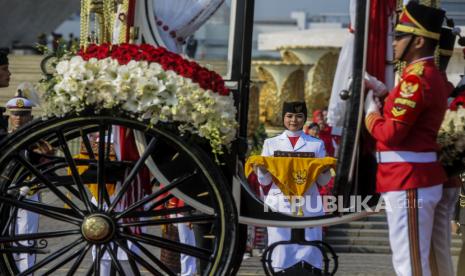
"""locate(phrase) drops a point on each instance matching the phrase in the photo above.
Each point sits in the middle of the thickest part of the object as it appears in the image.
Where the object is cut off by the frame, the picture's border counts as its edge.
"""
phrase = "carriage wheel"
(93, 216)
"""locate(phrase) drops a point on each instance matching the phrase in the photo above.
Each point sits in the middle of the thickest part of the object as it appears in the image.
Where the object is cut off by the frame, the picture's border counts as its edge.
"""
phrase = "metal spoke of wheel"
(78, 261)
(36, 236)
(160, 202)
(38, 208)
(184, 219)
(12, 216)
(102, 188)
(96, 262)
(154, 259)
(134, 171)
(74, 172)
(51, 257)
(45, 172)
(87, 145)
(108, 145)
(162, 212)
(114, 259)
(133, 266)
(138, 259)
(160, 242)
(49, 185)
(67, 259)
(158, 193)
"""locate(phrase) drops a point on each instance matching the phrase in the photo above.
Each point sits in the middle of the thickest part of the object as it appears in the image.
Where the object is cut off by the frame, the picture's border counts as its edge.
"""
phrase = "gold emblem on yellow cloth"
(293, 175)
(299, 177)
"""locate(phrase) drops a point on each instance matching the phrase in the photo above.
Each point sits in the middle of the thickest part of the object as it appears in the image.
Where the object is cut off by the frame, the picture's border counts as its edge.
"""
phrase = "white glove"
(370, 103)
(263, 176)
(324, 178)
(372, 83)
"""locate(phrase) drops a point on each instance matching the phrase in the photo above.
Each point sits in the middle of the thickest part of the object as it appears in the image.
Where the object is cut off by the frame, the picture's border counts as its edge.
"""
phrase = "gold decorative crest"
(19, 103)
(407, 89)
(300, 177)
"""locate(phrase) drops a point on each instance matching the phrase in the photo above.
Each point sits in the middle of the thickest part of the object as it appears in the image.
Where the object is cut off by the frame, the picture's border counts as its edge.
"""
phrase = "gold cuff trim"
(417, 31)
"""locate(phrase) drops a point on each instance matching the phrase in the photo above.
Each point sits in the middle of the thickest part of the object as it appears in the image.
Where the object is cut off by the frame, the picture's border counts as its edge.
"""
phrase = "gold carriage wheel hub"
(97, 228)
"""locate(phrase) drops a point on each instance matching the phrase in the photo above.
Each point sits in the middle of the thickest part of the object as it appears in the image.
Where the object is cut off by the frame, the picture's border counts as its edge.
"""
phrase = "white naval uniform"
(285, 256)
(26, 223)
(187, 236)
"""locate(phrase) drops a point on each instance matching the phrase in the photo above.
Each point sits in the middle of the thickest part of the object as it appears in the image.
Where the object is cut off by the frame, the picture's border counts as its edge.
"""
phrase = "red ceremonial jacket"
(413, 112)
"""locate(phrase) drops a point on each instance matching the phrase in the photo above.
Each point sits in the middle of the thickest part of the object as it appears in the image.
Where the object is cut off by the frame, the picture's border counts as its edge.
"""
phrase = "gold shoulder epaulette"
(415, 69)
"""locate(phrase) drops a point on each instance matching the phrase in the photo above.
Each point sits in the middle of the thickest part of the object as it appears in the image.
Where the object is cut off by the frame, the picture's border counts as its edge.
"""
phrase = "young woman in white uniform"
(294, 140)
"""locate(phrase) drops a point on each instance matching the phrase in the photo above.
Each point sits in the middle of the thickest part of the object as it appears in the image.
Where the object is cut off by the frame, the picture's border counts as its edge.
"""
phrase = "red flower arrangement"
(124, 53)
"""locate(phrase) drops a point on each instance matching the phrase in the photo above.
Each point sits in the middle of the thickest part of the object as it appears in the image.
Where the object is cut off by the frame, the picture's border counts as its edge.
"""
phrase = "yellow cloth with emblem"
(293, 175)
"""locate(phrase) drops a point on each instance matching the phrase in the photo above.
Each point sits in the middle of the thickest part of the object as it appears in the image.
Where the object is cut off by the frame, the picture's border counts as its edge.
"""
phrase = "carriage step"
(353, 232)
(374, 249)
(364, 225)
(375, 241)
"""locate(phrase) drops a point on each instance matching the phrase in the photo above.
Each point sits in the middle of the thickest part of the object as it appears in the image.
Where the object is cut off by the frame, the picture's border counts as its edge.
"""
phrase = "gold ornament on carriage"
(105, 15)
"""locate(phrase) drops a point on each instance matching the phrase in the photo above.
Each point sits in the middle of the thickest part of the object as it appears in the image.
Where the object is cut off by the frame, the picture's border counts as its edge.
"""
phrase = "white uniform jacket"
(286, 256)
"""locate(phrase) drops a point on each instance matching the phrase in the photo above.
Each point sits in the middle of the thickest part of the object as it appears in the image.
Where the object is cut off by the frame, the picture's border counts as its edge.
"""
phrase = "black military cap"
(295, 107)
(420, 20)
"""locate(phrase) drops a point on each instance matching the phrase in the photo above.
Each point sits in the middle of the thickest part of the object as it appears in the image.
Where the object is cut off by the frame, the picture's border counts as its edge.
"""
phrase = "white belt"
(406, 156)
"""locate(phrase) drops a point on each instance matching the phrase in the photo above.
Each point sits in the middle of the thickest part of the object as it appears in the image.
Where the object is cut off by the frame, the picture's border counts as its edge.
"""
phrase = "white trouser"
(26, 223)
(186, 236)
(105, 267)
(285, 256)
(410, 217)
(441, 238)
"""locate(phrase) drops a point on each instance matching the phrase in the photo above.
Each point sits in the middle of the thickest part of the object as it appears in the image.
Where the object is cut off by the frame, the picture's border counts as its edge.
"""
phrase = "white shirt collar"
(293, 133)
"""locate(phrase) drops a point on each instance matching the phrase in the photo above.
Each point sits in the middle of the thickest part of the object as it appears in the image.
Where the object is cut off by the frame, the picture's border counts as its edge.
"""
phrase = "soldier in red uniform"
(409, 176)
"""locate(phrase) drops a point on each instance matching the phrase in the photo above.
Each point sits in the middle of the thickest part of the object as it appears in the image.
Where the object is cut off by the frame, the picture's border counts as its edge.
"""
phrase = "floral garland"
(451, 138)
(152, 83)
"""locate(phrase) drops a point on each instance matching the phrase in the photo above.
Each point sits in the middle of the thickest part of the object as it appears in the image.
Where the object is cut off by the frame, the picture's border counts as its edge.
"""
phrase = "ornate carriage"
(94, 209)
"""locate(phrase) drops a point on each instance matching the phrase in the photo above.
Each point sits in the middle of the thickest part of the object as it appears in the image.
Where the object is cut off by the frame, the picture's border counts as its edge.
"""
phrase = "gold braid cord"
(85, 18)
(104, 11)
(123, 16)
